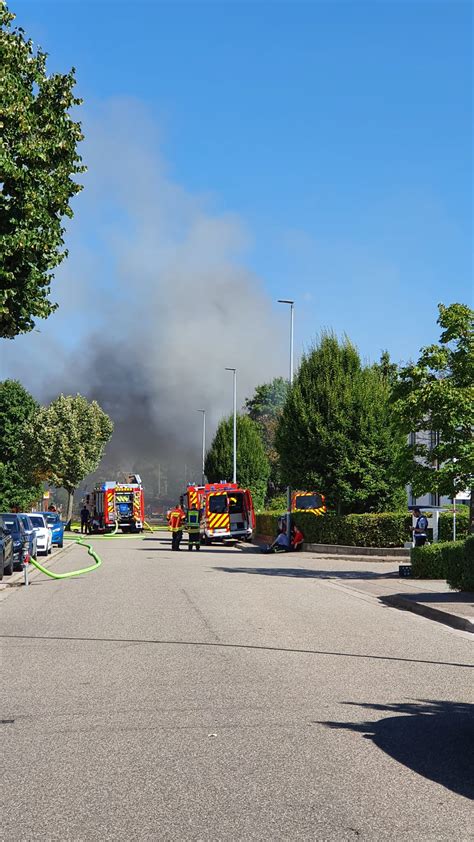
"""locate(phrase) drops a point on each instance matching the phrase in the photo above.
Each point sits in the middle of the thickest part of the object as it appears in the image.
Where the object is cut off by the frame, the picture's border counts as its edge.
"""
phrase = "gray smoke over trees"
(155, 300)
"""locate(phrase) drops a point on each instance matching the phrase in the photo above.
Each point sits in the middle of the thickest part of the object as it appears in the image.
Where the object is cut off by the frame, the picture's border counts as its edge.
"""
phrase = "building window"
(434, 439)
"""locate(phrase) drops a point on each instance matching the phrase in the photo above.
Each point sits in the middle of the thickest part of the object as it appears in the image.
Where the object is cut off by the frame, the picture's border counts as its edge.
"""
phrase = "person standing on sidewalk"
(175, 525)
(420, 533)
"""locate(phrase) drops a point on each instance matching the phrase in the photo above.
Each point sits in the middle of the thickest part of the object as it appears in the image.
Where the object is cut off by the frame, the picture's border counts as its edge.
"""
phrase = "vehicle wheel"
(50, 550)
(2, 567)
(8, 570)
(61, 545)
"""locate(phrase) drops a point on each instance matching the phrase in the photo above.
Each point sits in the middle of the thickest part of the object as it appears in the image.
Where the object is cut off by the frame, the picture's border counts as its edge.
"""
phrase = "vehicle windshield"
(236, 503)
(309, 501)
(25, 521)
(52, 517)
(11, 522)
(37, 521)
(218, 503)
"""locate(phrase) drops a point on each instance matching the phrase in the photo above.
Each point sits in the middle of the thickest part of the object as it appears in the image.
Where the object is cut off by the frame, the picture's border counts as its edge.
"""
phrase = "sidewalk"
(431, 598)
(377, 577)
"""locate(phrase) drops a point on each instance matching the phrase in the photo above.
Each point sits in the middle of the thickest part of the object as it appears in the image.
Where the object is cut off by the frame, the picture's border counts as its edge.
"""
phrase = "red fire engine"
(226, 510)
(118, 502)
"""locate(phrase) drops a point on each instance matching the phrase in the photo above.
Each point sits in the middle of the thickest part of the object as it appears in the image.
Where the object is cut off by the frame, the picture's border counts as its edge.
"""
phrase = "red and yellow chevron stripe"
(218, 521)
(192, 498)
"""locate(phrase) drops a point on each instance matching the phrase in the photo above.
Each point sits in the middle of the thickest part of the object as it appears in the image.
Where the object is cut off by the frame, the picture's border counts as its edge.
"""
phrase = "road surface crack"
(201, 615)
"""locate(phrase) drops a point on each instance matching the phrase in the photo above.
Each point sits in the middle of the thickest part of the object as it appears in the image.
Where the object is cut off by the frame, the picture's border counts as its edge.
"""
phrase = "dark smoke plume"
(155, 301)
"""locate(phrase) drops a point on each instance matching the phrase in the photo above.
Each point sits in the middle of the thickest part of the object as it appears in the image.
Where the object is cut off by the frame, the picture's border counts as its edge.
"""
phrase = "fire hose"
(90, 551)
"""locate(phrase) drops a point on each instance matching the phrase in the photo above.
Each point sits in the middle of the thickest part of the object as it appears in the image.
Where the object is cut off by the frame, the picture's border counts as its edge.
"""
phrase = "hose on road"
(90, 551)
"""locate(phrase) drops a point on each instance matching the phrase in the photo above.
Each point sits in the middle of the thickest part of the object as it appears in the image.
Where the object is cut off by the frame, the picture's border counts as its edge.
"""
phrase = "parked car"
(6, 551)
(53, 520)
(12, 523)
(31, 532)
(44, 538)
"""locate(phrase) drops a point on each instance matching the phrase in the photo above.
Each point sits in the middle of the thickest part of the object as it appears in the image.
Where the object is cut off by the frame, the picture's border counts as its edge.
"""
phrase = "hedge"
(390, 529)
(460, 575)
(429, 562)
(451, 560)
(446, 524)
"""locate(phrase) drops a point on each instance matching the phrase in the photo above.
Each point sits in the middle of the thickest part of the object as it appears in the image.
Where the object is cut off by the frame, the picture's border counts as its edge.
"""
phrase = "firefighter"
(175, 521)
(193, 528)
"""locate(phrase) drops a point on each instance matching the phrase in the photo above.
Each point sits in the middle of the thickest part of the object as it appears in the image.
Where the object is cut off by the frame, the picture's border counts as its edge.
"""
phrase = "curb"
(350, 553)
(339, 549)
(453, 620)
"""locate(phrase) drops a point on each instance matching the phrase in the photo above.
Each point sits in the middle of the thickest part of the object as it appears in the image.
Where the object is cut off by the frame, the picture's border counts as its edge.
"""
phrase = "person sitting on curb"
(297, 538)
(281, 543)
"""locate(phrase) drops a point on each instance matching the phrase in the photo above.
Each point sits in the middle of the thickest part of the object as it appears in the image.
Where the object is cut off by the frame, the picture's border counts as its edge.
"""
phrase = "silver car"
(31, 533)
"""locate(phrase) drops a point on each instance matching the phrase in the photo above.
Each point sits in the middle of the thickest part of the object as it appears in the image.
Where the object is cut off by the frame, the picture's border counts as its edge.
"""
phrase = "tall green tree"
(66, 441)
(434, 400)
(252, 464)
(18, 484)
(38, 157)
(265, 408)
(336, 434)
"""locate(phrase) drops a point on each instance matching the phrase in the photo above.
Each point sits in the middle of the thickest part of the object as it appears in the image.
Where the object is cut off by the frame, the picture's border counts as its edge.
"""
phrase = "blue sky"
(339, 134)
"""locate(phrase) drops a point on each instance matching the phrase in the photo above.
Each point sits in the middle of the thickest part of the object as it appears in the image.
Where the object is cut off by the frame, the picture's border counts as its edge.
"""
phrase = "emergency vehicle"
(117, 502)
(226, 510)
(308, 501)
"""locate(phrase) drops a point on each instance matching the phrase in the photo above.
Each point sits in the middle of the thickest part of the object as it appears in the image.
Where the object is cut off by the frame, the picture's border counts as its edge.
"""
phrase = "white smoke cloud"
(155, 300)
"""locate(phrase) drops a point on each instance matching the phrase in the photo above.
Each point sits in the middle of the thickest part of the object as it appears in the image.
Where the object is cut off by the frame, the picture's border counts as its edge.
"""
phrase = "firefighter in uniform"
(193, 528)
(175, 525)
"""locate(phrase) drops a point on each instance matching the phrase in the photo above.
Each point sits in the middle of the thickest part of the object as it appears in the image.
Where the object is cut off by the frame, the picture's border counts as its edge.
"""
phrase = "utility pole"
(288, 490)
(234, 474)
(203, 444)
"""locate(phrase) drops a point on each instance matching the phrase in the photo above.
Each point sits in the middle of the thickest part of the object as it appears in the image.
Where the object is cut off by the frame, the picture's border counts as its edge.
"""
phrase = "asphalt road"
(179, 696)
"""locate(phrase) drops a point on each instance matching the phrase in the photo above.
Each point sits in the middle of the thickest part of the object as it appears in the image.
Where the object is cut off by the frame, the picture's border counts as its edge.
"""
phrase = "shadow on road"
(433, 738)
(303, 573)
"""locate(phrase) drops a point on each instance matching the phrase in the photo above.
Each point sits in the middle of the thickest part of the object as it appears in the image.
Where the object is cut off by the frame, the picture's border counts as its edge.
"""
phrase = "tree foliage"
(38, 156)
(18, 485)
(436, 394)
(336, 434)
(252, 464)
(265, 408)
(66, 440)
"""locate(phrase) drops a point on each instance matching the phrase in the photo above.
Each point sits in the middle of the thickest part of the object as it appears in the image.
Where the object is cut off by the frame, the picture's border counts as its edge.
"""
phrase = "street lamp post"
(288, 490)
(234, 473)
(203, 444)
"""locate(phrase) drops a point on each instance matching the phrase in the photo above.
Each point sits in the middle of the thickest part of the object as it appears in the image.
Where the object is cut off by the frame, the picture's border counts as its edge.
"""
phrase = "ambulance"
(227, 511)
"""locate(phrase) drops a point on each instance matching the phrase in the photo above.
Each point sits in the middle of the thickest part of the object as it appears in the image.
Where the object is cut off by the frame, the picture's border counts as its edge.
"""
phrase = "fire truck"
(226, 510)
(308, 501)
(119, 503)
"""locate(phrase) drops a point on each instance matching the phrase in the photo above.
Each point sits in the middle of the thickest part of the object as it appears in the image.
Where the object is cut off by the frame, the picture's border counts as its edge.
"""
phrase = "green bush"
(446, 524)
(460, 567)
(451, 560)
(429, 562)
(390, 529)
